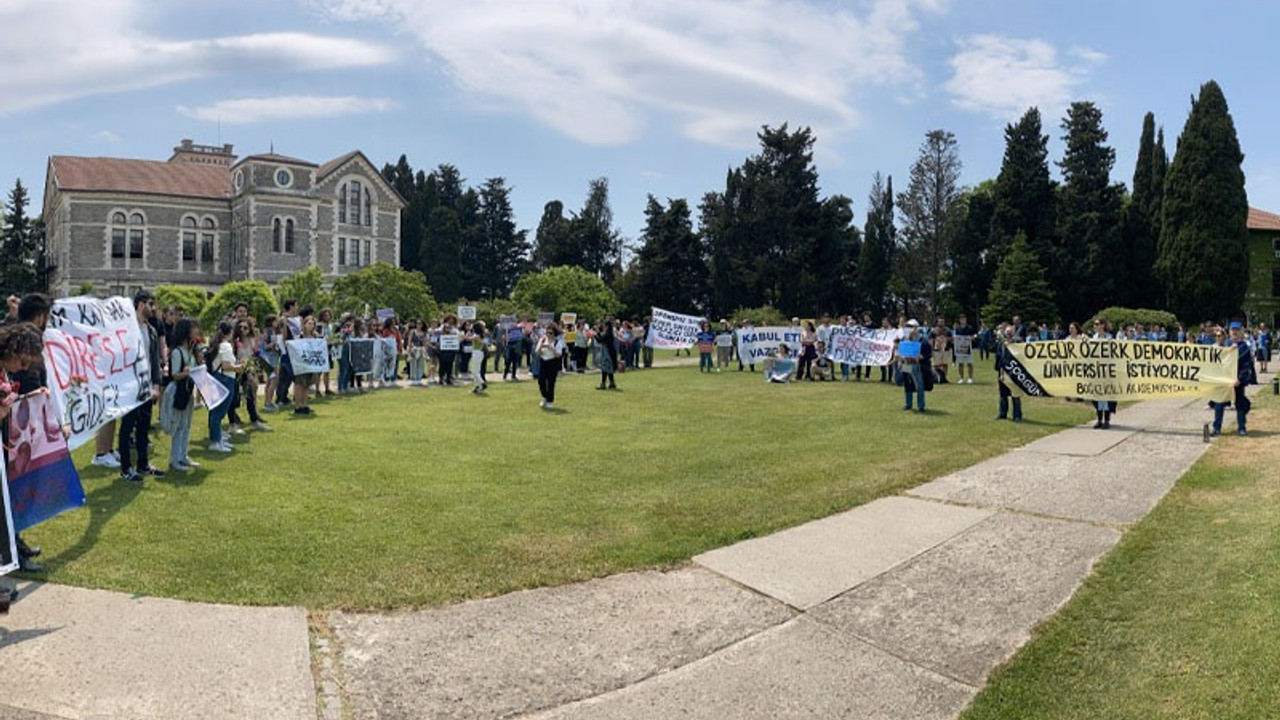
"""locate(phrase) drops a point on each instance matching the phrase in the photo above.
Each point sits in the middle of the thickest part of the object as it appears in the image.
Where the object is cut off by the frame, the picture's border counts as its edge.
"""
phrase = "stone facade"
(204, 218)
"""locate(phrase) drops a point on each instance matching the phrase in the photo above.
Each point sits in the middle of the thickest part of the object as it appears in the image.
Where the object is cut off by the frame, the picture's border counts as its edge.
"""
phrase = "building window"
(368, 251)
(342, 204)
(342, 252)
(284, 178)
(239, 180)
(288, 235)
(368, 207)
(1275, 247)
(355, 202)
(207, 238)
(276, 229)
(136, 235)
(188, 240)
(1275, 283)
(118, 234)
(353, 252)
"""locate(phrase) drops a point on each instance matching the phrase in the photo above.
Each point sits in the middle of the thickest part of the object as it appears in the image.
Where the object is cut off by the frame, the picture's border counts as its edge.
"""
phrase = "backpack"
(210, 356)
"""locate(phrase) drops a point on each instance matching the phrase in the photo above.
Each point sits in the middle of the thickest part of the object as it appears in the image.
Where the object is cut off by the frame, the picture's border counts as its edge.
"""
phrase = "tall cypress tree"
(671, 265)
(1024, 193)
(1204, 242)
(1091, 267)
(973, 260)
(875, 265)
(1142, 289)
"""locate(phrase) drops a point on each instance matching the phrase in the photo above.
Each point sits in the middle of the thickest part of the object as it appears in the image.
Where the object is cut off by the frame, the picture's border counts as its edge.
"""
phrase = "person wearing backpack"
(181, 360)
(220, 359)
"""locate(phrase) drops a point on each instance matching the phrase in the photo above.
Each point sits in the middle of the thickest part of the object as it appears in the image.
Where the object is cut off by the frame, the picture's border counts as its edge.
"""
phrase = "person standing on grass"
(182, 358)
(549, 350)
(290, 328)
(608, 357)
(914, 366)
(642, 331)
(579, 349)
(135, 425)
(1265, 340)
(1006, 393)
(808, 352)
(724, 345)
(449, 343)
(1104, 408)
(706, 341)
(244, 343)
(515, 350)
(964, 363)
(479, 355)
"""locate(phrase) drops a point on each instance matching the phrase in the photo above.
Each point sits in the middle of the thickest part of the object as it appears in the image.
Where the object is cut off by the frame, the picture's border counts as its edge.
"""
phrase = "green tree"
(307, 287)
(21, 243)
(566, 289)
(1020, 288)
(931, 209)
(1142, 289)
(973, 259)
(1024, 198)
(592, 230)
(503, 252)
(189, 298)
(383, 285)
(1204, 244)
(670, 270)
(875, 264)
(255, 293)
(553, 239)
(1091, 269)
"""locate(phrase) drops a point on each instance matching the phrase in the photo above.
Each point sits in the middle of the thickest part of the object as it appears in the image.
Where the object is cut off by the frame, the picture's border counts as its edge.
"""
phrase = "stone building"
(1262, 298)
(204, 218)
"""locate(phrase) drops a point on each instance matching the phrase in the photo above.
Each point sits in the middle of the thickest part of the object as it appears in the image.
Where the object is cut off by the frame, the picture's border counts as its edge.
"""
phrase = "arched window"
(207, 238)
(355, 202)
(189, 240)
(342, 203)
(275, 235)
(368, 207)
(137, 233)
(119, 233)
(288, 235)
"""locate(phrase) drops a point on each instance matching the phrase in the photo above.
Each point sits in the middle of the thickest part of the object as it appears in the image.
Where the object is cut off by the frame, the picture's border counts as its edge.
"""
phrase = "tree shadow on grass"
(103, 504)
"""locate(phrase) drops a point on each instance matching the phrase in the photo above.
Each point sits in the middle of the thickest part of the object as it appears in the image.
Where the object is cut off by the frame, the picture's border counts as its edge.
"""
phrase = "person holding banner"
(449, 341)
(135, 426)
(222, 367)
(963, 336)
(21, 345)
(1002, 360)
(181, 359)
(914, 358)
(515, 349)
(706, 341)
(724, 345)
(1104, 408)
(1246, 375)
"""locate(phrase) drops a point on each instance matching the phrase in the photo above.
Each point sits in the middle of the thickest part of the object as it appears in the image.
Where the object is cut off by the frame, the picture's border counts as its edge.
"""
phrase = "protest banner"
(856, 345)
(567, 319)
(361, 355)
(97, 362)
(384, 358)
(546, 318)
(1120, 370)
(962, 346)
(8, 543)
(41, 478)
(450, 341)
(756, 344)
(670, 330)
(466, 312)
(213, 392)
(384, 314)
(506, 321)
(308, 355)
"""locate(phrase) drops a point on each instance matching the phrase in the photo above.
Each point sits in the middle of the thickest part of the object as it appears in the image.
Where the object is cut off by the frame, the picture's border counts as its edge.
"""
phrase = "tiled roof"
(273, 157)
(140, 176)
(1263, 220)
(333, 164)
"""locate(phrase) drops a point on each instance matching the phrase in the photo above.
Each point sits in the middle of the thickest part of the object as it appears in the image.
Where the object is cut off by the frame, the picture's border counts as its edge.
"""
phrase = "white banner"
(8, 543)
(308, 355)
(213, 392)
(97, 362)
(756, 344)
(384, 358)
(962, 345)
(450, 341)
(466, 312)
(672, 330)
(856, 345)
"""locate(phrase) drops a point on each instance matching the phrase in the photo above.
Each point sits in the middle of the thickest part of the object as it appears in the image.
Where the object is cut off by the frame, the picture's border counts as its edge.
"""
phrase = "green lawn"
(1181, 620)
(416, 497)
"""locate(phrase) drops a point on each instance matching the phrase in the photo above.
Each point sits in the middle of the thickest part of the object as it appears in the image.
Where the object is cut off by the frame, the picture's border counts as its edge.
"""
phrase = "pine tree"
(875, 265)
(505, 249)
(21, 239)
(1204, 243)
(1024, 197)
(553, 246)
(1142, 289)
(1020, 288)
(931, 210)
(670, 267)
(973, 260)
(1091, 267)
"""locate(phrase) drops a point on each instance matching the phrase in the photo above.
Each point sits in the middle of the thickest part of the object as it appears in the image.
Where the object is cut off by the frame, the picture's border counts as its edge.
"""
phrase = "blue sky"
(659, 96)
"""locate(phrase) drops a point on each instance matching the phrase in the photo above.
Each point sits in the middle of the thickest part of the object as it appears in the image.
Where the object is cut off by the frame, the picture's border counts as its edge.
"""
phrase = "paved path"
(898, 609)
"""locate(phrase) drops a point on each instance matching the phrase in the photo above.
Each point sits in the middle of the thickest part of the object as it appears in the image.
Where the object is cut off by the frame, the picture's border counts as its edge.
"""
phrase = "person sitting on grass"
(783, 366)
(822, 366)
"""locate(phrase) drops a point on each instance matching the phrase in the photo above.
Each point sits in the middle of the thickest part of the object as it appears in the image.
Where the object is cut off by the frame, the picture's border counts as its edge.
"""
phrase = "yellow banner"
(1120, 369)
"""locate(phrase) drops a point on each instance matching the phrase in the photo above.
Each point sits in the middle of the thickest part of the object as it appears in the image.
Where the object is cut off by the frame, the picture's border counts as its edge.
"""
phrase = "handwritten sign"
(450, 341)
(97, 361)
(855, 345)
(672, 330)
(756, 344)
(308, 355)
(466, 312)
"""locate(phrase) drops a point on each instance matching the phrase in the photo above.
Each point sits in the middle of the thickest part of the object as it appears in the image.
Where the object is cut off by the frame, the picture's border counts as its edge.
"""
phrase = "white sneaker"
(542, 403)
(237, 430)
(549, 406)
(221, 447)
(106, 460)
(261, 427)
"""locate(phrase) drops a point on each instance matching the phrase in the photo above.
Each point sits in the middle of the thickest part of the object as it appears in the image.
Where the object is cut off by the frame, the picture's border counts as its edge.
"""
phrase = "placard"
(466, 312)
(308, 355)
(41, 478)
(962, 346)
(213, 392)
(909, 349)
(361, 355)
(450, 341)
(567, 319)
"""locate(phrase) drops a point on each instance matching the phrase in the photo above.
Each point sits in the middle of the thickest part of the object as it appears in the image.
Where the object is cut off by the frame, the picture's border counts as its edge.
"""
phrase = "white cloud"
(57, 51)
(601, 71)
(243, 111)
(108, 137)
(1002, 77)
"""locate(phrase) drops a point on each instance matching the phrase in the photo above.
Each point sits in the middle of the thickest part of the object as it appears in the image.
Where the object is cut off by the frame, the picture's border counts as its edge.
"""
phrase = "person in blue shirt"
(706, 342)
(1245, 376)
(1265, 340)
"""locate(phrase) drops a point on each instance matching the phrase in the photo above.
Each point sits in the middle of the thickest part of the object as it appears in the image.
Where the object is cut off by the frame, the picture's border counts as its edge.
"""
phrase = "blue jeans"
(912, 371)
(704, 362)
(217, 414)
(180, 441)
(344, 373)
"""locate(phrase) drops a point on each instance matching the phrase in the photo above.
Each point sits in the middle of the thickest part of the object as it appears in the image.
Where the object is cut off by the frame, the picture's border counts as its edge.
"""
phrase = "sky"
(661, 97)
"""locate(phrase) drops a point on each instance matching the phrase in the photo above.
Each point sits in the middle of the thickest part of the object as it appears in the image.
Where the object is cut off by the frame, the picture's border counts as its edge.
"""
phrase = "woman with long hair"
(182, 358)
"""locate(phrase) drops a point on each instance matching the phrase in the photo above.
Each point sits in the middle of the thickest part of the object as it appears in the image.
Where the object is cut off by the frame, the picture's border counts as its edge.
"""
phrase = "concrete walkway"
(898, 609)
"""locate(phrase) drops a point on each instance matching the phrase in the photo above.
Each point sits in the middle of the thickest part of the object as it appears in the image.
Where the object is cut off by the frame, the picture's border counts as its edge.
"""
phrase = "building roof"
(149, 177)
(274, 157)
(1263, 220)
(335, 163)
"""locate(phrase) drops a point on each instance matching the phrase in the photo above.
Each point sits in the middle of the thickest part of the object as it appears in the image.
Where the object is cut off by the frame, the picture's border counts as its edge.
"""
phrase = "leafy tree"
(1204, 244)
(501, 253)
(875, 264)
(763, 316)
(442, 251)
(307, 287)
(566, 289)
(1091, 269)
(1142, 289)
(973, 259)
(592, 230)
(382, 285)
(670, 269)
(931, 209)
(1024, 195)
(411, 188)
(553, 239)
(189, 298)
(255, 293)
(1020, 288)
(21, 242)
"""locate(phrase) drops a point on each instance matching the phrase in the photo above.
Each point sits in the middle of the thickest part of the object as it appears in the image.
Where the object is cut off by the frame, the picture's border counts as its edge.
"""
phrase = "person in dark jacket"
(135, 426)
(1006, 395)
(1246, 375)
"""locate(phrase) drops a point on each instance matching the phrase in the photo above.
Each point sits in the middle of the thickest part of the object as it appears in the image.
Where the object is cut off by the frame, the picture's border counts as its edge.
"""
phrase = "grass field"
(1181, 619)
(415, 497)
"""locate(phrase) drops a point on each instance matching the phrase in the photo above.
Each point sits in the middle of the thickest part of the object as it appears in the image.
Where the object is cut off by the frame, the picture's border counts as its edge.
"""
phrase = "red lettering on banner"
(52, 351)
(122, 335)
